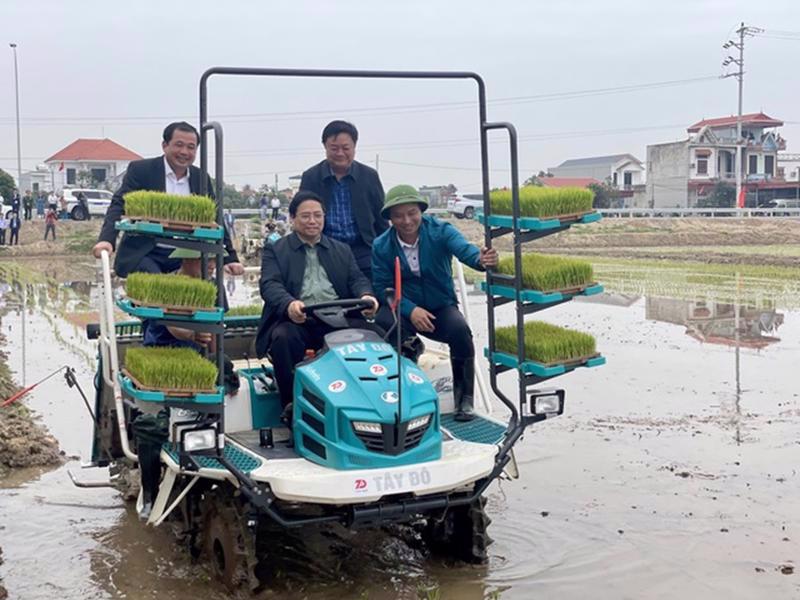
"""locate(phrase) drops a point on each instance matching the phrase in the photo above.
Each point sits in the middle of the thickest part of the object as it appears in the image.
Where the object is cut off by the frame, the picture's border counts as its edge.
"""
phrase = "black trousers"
(48, 229)
(28, 213)
(450, 328)
(288, 343)
(14, 239)
(2, 236)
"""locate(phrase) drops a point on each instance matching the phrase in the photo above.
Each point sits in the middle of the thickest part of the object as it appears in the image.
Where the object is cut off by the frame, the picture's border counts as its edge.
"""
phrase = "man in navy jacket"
(426, 247)
(351, 192)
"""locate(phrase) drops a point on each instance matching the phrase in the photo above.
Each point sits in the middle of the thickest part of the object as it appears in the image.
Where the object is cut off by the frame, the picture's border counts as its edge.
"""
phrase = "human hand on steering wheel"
(296, 312)
(370, 312)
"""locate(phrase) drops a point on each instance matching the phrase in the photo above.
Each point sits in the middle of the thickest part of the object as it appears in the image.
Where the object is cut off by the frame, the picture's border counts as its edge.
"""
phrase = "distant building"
(679, 174)
(621, 170)
(103, 159)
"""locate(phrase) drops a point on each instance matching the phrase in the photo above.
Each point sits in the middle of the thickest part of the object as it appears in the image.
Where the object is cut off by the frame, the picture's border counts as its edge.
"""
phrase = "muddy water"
(671, 474)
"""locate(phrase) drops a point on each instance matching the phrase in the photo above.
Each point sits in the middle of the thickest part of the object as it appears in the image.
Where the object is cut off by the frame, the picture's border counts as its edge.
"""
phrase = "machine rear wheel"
(460, 533)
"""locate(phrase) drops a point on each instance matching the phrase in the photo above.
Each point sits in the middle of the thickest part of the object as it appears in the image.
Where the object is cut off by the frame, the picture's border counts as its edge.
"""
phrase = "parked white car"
(97, 200)
(464, 208)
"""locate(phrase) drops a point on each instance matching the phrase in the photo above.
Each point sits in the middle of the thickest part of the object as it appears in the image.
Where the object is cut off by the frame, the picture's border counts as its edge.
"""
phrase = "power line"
(378, 110)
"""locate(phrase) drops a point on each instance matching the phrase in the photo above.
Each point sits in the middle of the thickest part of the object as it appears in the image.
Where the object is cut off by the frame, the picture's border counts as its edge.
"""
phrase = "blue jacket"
(439, 242)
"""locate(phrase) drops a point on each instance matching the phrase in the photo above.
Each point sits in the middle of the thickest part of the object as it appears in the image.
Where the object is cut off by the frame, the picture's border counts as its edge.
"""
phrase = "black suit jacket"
(147, 174)
(366, 192)
(283, 266)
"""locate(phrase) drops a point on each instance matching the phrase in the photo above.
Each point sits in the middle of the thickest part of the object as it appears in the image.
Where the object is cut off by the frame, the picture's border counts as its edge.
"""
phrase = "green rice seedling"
(154, 289)
(251, 310)
(160, 206)
(542, 202)
(548, 273)
(168, 368)
(546, 343)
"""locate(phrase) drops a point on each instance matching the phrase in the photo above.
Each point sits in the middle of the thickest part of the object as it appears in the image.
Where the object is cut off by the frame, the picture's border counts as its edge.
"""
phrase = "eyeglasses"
(305, 217)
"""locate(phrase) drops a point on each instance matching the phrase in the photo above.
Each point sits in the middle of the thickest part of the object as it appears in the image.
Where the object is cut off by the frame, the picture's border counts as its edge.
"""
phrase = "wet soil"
(671, 474)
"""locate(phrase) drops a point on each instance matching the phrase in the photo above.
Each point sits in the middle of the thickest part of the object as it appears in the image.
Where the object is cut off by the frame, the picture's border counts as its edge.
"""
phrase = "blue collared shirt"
(340, 223)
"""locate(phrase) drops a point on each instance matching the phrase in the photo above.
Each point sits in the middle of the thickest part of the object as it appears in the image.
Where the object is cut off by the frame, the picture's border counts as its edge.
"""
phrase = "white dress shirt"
(173, 185)
(412, 254)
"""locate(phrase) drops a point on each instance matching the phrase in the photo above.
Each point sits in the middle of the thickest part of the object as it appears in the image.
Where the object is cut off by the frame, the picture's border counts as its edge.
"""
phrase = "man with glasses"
(303, 268)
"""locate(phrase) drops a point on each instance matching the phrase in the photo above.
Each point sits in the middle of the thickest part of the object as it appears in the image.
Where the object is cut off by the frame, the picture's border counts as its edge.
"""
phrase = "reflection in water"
(718, 323)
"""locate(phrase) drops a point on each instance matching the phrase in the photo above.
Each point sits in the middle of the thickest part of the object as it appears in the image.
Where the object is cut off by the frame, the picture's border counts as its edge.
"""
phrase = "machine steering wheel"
(333, 312)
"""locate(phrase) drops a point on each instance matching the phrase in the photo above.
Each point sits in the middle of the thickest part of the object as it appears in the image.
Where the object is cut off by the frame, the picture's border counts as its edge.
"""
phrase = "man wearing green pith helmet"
(426, 247)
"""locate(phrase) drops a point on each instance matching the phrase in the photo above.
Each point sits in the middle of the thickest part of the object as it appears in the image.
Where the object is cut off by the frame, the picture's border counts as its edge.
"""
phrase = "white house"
(682, 173)
(103, 159)
(622, 170)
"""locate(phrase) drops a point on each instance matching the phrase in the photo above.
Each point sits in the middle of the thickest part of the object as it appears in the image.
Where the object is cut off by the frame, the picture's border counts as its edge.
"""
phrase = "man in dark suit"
(173, 173)
(305, 267)
(351, 192)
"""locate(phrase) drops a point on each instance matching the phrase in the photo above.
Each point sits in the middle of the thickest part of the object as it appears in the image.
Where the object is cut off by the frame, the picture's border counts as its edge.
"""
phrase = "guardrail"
(700, 212)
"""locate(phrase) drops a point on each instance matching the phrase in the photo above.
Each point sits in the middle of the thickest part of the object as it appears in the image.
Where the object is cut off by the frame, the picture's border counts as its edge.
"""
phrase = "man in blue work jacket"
(426, 247)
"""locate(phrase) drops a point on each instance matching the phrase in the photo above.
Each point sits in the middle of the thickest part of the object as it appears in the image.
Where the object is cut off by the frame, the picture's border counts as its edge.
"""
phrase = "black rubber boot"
(463, 388)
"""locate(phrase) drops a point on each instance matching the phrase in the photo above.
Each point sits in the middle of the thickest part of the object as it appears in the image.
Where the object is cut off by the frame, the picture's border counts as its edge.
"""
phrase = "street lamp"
(16, 88)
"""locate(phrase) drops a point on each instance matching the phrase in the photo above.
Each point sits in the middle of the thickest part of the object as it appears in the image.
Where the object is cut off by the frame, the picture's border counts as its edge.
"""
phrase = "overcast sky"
(123, 70)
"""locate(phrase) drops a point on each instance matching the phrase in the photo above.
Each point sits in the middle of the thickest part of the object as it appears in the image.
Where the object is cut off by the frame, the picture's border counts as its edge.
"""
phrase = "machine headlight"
(366, 427)
(548, 402)
(200, 439)
(418, 422)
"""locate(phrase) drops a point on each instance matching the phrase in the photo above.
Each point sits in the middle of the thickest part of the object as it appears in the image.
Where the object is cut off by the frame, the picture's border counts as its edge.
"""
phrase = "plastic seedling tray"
(536, 224)
(177, 229)
(539, 297)
(135, 390)
(545, 369)
(178, 313)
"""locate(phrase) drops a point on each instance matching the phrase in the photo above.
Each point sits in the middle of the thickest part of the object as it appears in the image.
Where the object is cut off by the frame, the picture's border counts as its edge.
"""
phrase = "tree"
(536, 179)
(7, 185)
(604, 194)
(722, 196)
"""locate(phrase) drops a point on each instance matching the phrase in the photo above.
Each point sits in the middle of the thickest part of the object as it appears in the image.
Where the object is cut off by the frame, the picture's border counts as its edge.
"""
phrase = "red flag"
(398, 284)
(740, 199)
(61, 167)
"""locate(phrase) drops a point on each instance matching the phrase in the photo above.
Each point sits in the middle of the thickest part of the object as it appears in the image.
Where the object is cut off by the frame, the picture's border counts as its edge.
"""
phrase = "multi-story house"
(680, 174)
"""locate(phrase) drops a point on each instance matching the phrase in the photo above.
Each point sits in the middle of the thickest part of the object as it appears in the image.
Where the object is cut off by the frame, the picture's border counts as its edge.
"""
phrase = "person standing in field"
(50, 223)
(14, 224)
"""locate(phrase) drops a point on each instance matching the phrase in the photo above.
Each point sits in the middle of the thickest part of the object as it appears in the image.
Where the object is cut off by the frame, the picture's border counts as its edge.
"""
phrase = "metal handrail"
(109, 354)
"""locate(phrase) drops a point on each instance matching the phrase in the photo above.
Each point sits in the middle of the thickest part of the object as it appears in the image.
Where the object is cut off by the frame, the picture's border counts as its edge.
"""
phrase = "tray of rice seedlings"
(545, 279)
(158, 373)
(160, 296)
(169, 214)
(549, 350)
(542, 207)
(250, 310)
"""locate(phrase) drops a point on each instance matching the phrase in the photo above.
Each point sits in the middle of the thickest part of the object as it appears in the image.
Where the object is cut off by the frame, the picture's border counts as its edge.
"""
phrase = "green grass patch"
(251, 310)
(171, 290)
(547, 273)
(170, 207)
(171, 368)
(546, 343)
(540, 202)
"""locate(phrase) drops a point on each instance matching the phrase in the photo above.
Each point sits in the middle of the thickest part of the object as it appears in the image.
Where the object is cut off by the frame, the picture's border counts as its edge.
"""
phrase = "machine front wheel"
(460, 532)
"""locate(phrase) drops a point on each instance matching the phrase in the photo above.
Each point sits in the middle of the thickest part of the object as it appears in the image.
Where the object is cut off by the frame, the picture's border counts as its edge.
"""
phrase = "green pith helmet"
(186, 253)
(402, 194)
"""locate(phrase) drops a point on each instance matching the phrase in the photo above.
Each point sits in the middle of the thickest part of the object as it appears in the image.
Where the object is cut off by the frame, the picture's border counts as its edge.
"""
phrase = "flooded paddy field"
(672, 473)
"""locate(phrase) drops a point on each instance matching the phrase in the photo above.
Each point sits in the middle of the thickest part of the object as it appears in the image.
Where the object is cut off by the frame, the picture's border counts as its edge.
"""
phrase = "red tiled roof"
(94, 149)
(559, 182)
(751, 119)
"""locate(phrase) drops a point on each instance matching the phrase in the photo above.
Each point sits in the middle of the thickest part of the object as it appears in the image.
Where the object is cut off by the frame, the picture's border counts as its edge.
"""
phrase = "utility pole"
(743, 31)
(378, 163)
(16, 89)
(276, 184)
